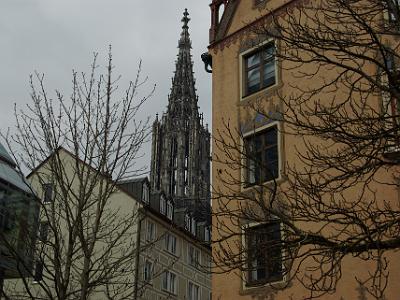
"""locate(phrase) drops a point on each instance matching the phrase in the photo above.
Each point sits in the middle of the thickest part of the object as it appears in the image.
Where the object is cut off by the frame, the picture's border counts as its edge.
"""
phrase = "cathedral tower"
(180, 161)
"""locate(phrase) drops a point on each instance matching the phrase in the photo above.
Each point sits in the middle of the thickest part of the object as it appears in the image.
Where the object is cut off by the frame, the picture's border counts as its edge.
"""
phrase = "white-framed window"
(193, 226)
(264, 253)
(259, 68)
(261, 150)
(47, 192)
(148, 271)
(170, 243)
(145, 193)
(169, 282)
(163, 205)
(170, 210)
(150, 231)
(193, 256)
(193, 291)
(207, 234)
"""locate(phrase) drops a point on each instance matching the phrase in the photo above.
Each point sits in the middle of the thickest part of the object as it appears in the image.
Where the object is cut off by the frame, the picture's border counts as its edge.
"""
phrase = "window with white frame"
(150, 231)
(169, 282)
(193, 256)
(148, 271)
(259, 69)
(145, 193)
(262, 156)
(193, 291)
(207, 234)
(163, 205)
(170, 243)
(170, 210)
(193, 226)
(264, 253)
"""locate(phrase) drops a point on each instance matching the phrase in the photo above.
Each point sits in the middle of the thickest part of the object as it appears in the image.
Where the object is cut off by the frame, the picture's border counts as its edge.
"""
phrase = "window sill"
(263, 285)
(267, 91)
(266, 184)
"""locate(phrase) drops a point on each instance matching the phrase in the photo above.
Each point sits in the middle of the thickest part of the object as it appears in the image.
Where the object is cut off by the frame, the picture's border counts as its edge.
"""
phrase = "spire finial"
(185, 19)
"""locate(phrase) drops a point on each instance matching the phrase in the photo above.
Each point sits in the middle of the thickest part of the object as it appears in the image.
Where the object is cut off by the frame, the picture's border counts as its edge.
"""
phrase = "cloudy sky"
(56, 36)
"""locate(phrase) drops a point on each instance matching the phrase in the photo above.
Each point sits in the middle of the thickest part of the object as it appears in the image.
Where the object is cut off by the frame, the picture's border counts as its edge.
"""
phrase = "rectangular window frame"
(246, 161)
(247, 283)
(170, 210)
(148, 269)
(48, 193)
(243, 69)
(163, 205)
(194, 291)
(171, 243)
(150, 231)
(43, 231)
(38, 272)
(169, 282)
(145, 194)
(193, 256)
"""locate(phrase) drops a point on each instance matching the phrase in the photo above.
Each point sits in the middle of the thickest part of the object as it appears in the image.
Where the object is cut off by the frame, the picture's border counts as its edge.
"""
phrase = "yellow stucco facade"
(232, 40)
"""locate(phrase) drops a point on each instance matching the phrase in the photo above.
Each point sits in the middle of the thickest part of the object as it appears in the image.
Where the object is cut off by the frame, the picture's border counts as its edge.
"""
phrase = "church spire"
(182, 99)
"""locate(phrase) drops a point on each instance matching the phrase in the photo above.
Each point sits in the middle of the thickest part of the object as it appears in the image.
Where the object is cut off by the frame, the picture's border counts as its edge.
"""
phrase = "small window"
(38, 274)
(170, 210)
(393, 8)
(163, 205)
(193, 291)
(145, 194)
(148, 271)
(264, 253)
(47, 193)
(169, 282)
(194, 256)
(170, 243)
(188, 221)
(150, 231)
(207, 234)
(259, 69)
(262, 158)
(43, 231)
(193, 227)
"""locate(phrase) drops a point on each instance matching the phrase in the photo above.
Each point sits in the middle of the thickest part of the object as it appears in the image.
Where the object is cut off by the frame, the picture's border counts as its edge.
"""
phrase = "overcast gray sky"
(55, 36)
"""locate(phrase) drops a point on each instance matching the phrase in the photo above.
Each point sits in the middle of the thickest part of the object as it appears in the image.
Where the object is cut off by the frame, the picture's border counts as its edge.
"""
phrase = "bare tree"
(77, 148)
(338, 195)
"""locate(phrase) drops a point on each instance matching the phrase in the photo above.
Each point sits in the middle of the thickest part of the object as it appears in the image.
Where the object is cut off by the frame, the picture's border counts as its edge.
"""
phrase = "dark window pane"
(269, 74)
(264, 253)
(271, 136)
(253, 80)
(253, 60)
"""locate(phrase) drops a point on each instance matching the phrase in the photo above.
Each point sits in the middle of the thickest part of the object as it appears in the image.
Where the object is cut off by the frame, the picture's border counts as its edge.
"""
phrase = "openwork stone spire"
(180, 163)
(183, 99)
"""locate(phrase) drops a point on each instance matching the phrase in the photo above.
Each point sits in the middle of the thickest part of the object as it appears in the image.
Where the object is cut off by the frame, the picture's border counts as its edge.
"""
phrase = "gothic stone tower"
(180, 161)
